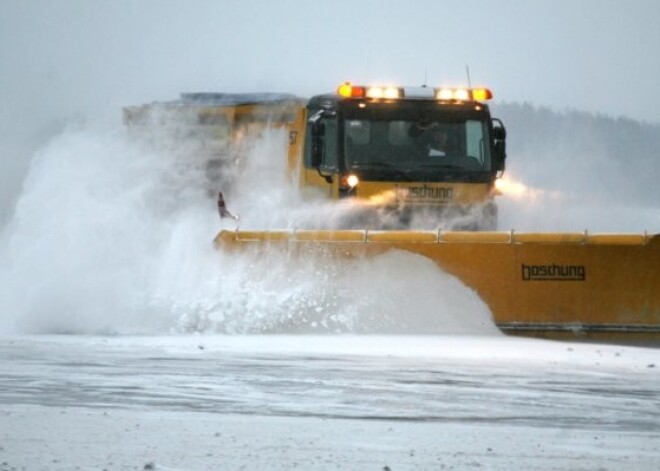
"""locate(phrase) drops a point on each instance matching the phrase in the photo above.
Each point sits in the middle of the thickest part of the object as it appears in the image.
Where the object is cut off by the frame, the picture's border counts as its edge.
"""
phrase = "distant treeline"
(597, 157)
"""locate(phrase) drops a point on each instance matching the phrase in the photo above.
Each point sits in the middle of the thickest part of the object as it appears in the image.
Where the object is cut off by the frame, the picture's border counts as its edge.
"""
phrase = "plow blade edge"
(555, 285)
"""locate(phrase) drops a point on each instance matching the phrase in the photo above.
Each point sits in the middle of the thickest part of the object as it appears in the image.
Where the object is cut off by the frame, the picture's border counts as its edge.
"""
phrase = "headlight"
(349, 181)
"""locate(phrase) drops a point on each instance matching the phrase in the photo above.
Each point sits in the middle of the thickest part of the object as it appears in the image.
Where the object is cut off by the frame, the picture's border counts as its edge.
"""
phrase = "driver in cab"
(437, 141)
(432, 139)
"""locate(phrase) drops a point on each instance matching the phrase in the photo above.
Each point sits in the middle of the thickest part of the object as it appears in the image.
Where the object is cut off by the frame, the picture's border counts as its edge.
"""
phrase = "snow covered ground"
(150, 377)
(202, 402)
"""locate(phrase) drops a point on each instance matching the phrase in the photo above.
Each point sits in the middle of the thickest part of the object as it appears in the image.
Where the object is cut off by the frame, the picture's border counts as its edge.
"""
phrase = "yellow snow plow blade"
(604, 286)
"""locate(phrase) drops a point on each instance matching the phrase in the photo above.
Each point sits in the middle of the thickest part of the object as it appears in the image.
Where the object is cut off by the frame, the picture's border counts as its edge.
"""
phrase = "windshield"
(418, 144)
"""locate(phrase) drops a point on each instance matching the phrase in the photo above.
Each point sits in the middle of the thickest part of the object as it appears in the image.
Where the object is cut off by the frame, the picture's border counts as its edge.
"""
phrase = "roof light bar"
(463, 94)
(384, 92)
(481, 94)
(350, 91)
(347, 90)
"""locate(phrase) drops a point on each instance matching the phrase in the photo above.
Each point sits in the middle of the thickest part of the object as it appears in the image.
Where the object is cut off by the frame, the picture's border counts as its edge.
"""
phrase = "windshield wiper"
(371, 164)
(446, 166)
(388, 169)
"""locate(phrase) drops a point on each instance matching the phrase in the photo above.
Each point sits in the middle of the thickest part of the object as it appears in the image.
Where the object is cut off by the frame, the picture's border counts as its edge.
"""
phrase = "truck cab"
(416, 153)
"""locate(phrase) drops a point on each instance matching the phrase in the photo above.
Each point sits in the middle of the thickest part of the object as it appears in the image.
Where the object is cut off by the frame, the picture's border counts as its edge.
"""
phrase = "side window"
(477, 142)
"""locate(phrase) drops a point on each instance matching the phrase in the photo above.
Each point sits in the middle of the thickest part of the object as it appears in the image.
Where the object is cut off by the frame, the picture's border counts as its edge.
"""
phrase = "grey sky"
(73, 56)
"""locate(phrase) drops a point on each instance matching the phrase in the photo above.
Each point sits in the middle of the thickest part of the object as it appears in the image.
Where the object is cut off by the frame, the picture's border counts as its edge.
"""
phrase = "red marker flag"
(222, 208)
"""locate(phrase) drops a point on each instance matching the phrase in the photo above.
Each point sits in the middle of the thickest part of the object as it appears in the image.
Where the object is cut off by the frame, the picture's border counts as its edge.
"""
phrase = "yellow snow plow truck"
(434, 154)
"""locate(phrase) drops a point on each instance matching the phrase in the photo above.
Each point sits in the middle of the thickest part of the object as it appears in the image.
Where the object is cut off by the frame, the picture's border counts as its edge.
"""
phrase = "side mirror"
(500, 156)
(317, 129)
(317, 150)
(499, 137)
(499, 133)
